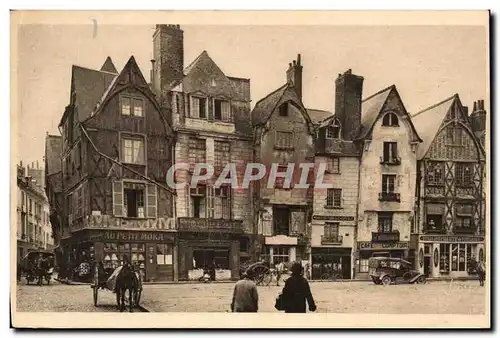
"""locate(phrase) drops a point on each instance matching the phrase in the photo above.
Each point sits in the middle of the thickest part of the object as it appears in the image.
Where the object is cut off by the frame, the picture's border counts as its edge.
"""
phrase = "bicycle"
(331, 275)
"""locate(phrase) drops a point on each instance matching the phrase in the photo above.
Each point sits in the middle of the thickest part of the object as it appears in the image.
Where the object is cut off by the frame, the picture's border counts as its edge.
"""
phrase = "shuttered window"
(118, 198)
(151, 201)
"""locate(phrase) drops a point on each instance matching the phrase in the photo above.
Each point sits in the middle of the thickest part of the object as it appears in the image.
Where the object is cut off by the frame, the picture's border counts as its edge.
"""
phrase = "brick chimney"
(294, 75)
(348, 94)
(478, 117)
(168, 57)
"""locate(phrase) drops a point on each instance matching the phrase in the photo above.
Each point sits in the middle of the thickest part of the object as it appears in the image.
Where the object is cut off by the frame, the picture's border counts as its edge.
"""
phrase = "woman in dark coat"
(297, 291)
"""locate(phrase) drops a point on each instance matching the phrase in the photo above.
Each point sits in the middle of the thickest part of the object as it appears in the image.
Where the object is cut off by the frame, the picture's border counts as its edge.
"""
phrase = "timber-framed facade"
(449, 226)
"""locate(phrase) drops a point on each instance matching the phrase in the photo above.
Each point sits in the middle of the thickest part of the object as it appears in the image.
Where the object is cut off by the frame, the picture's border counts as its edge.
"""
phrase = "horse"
(40, 269)
(126, 280)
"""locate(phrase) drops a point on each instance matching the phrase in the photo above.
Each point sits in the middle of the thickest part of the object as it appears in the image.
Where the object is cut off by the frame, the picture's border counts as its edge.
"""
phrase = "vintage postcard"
(235, 168)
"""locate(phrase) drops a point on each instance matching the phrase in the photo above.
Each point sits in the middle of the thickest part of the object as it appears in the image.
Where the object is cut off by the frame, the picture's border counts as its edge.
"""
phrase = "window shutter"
(226, 111)
(151, 201)
(118, 198)
(210, 109)
(188, 201)
(395, 151)
(386, 151)
(210, 201)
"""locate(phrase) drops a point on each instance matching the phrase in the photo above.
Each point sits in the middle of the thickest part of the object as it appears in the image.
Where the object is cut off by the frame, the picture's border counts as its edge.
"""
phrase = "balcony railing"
(331, 240)
(464, 230)
(392, 236)
(390, 161)
(389, 197)
(435, 230)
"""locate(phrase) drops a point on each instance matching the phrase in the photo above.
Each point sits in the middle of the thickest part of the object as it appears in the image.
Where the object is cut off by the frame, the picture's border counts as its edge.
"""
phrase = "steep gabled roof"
(317, 115)
(370, 109)
(53, 150)
(88, 86)
(129, 74)
(109, 66)
(428, 121)
(265, 107)
(373, 106)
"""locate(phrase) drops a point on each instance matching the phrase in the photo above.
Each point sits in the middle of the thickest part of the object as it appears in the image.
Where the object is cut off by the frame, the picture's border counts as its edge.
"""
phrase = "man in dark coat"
(245, 295)
(297, 291)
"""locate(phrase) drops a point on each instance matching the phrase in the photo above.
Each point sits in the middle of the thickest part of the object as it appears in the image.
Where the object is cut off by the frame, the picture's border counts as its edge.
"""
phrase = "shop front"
(366, 250)
(325, 261)
(209, 246)
(448, 256)
(152, 252)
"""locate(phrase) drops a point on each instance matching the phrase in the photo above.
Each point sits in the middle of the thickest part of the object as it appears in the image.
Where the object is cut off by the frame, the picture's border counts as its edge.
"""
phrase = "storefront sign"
(203, 224)
(130, 236)
(333, 218)
(381, 245)
(451, 239)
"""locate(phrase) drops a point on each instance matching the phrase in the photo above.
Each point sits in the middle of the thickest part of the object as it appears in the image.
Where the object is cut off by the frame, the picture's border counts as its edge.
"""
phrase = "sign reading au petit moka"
(130, 236)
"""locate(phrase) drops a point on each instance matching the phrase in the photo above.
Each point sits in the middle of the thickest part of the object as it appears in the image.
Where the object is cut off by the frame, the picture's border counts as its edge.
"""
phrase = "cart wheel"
(325, 276)
(337, 277)
(267, 278)
(137, 297)
(95, 285)
(386, 280)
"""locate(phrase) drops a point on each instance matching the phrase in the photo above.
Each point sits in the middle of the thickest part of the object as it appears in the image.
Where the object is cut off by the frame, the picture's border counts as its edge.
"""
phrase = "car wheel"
(421, 280)
(386, 280)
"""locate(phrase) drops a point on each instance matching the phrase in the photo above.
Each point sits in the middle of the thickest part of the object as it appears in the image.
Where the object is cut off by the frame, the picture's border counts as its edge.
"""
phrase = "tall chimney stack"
(348, 96)
(294, 75)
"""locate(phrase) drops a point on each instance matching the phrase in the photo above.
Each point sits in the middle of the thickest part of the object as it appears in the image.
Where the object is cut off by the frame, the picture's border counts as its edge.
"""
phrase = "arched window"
(333, 130)
(390, 119)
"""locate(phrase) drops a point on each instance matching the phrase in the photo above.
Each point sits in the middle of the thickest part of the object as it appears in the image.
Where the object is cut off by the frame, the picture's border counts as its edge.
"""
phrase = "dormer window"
(132, 106)
(284, 109)
(333, 130)
(390, 120)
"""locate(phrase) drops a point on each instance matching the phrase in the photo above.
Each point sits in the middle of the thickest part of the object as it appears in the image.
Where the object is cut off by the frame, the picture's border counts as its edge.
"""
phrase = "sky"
(426, 63)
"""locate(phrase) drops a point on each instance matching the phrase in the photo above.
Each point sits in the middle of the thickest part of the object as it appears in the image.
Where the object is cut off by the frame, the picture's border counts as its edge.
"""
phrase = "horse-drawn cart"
(107, 279)
(38, 264)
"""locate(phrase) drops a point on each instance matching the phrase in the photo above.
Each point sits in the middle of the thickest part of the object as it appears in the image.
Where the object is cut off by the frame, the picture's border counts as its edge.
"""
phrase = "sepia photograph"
(211, 165)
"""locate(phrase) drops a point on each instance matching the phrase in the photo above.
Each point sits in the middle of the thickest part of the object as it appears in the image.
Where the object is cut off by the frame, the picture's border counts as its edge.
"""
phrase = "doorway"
(427, 266)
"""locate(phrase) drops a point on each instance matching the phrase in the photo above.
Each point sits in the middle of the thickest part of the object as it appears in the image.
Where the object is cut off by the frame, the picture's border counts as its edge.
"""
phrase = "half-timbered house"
(284, 136)
(449, 221)
(210, 113)
(116, 150)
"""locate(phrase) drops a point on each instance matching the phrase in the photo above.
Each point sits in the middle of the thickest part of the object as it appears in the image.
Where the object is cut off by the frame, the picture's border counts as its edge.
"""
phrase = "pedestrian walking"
(245, 295)
(481, 272)
(297, 291)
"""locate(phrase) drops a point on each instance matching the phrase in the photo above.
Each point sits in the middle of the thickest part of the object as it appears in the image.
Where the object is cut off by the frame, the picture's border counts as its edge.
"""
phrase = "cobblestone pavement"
(58, 297)
(347, 297)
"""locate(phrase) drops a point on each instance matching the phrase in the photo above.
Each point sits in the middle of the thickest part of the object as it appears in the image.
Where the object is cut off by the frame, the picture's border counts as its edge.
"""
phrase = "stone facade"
(33, 229)
(209, 112)
(387, 179)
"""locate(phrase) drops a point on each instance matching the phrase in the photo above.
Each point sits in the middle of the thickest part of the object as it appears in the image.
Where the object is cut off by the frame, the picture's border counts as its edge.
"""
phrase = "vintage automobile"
(386, 271)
